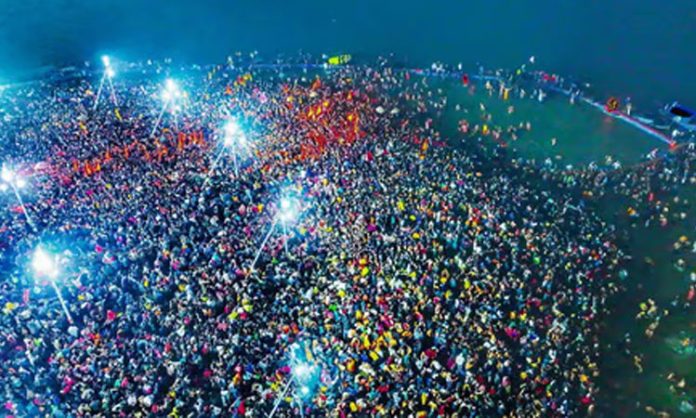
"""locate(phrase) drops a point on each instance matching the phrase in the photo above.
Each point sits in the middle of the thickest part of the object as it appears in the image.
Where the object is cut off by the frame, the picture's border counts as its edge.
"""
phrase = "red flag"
(110, 315)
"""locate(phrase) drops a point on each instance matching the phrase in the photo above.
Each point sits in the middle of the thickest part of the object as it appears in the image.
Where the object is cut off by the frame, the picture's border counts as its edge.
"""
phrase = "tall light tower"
(13, 180)
(107, 77)
(45, 265)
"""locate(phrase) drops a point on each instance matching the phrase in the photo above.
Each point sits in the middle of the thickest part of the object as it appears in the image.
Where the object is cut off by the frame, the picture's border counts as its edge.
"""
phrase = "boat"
(339, 59)
(682, 116)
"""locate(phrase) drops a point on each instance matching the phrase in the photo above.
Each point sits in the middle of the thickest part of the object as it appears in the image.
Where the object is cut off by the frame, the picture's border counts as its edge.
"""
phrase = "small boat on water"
(339, 59)
(682, 116)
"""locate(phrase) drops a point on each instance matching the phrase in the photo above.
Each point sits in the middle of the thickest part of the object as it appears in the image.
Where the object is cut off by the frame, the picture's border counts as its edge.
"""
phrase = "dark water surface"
(638, 48)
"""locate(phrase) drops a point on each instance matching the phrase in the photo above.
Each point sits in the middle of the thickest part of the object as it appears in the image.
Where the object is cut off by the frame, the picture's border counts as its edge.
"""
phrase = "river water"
(637, 48)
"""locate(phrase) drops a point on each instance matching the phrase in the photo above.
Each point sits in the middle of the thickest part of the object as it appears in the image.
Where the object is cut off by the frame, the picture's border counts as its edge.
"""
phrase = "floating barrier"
(617, 114)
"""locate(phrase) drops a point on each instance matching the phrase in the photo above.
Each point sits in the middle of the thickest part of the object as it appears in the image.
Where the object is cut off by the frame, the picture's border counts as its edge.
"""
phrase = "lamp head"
(20, 182)
(288, 209)
(7, 174)
(302, 371)
(231, 128)
(44, 264)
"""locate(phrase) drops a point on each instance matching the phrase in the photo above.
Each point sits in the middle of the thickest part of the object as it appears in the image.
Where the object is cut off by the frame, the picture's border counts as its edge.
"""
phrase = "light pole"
(12, 179)
(45, 265)
(107, 76)
(286, 215)
(289, 209)
(171, 92)
(304, 375)
(263, 244)
(233, 139)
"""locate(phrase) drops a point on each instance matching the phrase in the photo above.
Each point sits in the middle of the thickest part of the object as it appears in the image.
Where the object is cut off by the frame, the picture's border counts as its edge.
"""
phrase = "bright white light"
(304, 390)
(44, 264)
(105, 59)
(288, 210)
(302, 371)
(231, 128)
(7, 175)
(242, 139)
(234, 133)
(20, 183)
(288, 216)
(4, 187)
(110, 72)
(171, 90)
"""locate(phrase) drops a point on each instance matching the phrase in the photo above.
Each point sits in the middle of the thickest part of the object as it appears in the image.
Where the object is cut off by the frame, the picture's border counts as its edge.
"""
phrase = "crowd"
(418, 279)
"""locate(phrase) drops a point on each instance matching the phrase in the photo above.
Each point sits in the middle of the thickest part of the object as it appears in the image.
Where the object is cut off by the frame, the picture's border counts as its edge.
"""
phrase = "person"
(423, 280)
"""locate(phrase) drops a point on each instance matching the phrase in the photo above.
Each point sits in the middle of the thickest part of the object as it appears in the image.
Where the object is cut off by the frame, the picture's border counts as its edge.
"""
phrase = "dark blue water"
(638, 48)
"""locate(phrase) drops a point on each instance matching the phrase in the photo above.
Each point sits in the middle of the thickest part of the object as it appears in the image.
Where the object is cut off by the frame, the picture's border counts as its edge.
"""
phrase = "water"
(638, 48)
(583, 134)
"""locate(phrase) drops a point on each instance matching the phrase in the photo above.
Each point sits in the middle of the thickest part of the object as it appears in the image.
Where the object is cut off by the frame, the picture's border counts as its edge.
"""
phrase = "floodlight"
(302, 371)
(44, 264)
(231, 128)
(7, 175)
(288, 210)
